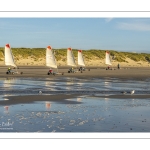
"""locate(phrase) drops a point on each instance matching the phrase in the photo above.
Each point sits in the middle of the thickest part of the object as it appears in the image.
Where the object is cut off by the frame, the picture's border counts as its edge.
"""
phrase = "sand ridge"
(89, 63)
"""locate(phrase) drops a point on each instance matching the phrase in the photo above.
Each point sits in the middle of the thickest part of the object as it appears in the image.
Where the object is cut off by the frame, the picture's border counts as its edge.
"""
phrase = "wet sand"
(135, 96)
(61, 98)
(95, 72)
(137, 73)
(93, 113)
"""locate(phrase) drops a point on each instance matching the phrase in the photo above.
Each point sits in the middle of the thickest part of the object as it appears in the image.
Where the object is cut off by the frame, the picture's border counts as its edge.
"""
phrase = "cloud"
(136, 25)
(108, 19)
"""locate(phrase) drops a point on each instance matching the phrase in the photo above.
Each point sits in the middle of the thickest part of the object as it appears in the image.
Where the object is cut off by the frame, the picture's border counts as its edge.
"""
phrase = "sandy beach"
(91, 101)
(132, 73)
(98, 72)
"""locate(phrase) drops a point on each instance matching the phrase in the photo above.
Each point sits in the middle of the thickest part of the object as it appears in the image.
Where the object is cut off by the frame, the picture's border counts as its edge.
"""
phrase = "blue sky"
(121, 34)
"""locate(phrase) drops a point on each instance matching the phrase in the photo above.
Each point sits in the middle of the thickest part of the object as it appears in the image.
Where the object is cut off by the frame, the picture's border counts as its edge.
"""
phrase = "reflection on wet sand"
(47, 105)
(71, 105)
(79, 99)
(6, 109)
(8, 83)
(106, 98)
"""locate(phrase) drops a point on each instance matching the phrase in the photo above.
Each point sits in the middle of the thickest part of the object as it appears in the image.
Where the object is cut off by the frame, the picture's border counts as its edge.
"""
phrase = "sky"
(120, 34)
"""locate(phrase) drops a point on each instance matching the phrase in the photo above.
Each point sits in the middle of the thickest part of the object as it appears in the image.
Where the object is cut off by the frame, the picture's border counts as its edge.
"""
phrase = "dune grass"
(39, 53)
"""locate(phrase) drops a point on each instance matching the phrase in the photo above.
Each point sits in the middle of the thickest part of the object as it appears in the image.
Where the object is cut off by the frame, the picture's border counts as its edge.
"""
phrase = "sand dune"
(94, 62)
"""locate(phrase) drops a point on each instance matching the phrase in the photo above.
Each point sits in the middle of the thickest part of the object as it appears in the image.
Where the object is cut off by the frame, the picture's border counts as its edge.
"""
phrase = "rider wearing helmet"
(9, 69)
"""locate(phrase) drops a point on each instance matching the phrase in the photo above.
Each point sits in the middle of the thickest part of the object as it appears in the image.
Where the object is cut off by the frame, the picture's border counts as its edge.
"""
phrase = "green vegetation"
(38, 54)
(121, 56)
(27, 52)
(1, 53)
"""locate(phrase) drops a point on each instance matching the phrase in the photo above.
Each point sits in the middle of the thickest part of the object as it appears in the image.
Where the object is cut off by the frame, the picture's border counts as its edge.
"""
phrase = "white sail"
(50, 58)
(70, 58)
(80, 58)
(9, 59)
(107, 59)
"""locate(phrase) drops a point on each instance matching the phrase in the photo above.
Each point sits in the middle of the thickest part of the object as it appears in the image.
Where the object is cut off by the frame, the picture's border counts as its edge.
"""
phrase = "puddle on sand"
(90, 114)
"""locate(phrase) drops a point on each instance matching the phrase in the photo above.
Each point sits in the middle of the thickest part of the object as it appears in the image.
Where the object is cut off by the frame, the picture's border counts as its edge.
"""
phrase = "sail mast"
(55, 60)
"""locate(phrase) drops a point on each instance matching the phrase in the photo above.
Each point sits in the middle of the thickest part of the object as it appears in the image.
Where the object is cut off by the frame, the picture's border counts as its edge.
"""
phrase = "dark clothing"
(118, 66)
(9, 69)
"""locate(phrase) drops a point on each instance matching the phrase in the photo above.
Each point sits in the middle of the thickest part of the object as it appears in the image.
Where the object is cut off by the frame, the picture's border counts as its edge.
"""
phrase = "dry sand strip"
(39, 72)
(61, 98)
(135, 96)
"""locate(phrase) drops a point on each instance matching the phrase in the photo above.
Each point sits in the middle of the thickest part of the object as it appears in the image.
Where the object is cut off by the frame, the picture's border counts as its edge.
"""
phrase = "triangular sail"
(9, 59)
(50, 58)
(80, 58)
(70, 58)
(107, 58)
